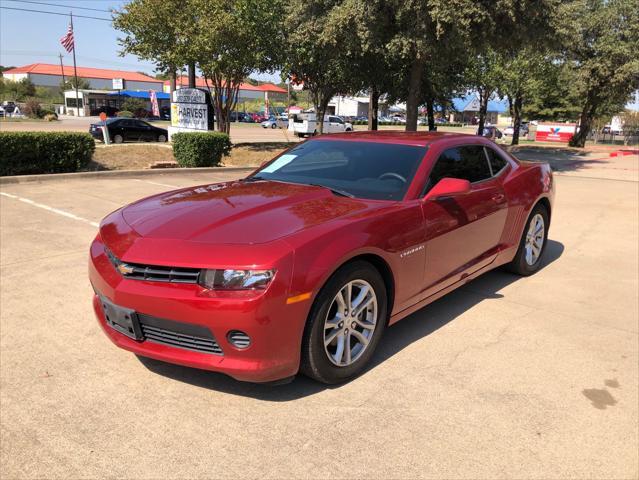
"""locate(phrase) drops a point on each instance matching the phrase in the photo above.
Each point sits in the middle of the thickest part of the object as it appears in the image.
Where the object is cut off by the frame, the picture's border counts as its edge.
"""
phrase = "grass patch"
(142, 156)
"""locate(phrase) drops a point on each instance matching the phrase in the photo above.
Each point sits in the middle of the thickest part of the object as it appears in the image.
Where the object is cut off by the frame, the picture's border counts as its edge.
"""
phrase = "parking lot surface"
(507, 377)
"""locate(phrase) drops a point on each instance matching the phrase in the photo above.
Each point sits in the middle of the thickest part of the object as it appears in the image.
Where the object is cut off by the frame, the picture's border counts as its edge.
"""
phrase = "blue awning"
(140, 94)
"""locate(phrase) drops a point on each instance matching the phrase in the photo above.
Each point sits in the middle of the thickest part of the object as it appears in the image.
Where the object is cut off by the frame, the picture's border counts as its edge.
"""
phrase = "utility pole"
(62, 70)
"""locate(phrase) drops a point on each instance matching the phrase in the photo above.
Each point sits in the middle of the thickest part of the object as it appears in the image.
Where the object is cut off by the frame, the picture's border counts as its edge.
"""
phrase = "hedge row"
(23, 153)
(200, 149)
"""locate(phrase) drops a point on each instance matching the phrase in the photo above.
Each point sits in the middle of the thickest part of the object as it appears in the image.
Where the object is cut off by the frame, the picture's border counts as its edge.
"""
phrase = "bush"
(32, 108)
(200, 149)
(125, 114)
(48, 115)
(44, 152)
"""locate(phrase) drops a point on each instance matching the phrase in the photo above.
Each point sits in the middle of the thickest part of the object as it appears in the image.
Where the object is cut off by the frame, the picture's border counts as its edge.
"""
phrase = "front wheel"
(532, 244)
(345, 325)
(118, 139)
(162, 138)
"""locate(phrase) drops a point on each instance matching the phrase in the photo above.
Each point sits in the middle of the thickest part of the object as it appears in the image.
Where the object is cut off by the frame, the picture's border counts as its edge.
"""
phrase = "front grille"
(177, 334)
(153, 273)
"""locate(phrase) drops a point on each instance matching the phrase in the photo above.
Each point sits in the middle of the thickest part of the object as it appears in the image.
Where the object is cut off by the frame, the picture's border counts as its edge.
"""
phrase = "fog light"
(238, 339)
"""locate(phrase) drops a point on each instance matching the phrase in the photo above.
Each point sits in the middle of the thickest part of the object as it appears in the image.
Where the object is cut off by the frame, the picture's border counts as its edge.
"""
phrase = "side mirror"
(448, 187)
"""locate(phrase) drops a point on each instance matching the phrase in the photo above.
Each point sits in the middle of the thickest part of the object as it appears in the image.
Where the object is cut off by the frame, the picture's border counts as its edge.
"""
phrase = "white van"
(305, 124)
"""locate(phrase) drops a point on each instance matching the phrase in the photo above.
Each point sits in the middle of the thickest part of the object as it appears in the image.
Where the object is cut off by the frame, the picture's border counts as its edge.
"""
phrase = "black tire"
(519, 264)
(118, 139)
(161, 138)
(315, 362)
(274, 125)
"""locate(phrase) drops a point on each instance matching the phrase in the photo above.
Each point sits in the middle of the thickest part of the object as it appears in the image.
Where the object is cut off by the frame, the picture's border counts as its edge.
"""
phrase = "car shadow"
(413, 328)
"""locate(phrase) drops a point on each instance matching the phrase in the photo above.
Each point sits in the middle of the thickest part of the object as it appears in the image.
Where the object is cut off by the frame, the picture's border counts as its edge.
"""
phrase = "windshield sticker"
(279, 163)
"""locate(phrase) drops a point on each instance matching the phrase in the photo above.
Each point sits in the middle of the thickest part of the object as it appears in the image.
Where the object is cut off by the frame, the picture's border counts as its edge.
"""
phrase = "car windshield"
(372, 170)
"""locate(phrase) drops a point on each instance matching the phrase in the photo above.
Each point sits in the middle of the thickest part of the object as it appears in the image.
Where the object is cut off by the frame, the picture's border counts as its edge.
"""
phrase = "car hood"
(239, 212)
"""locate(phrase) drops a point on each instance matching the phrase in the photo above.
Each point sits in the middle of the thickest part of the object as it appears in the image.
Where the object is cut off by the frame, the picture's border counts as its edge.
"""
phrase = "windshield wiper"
(253, 178)
(336, 191)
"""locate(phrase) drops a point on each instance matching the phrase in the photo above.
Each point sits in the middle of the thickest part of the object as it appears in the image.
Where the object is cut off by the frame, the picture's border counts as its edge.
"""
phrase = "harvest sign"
(555, 132)
(190, 110)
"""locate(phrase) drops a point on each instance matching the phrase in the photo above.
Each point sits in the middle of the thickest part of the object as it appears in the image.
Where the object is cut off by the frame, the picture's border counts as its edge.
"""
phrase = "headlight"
(236, 279)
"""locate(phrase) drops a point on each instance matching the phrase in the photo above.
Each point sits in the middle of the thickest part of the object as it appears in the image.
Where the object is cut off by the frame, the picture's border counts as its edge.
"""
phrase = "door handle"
(498, 197)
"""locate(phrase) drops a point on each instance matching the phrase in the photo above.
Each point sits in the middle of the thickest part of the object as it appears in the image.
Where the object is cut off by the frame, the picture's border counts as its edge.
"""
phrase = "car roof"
(396, 137)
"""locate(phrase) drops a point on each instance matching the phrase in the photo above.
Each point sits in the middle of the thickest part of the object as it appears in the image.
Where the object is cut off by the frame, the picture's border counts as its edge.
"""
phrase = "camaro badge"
(410, 251)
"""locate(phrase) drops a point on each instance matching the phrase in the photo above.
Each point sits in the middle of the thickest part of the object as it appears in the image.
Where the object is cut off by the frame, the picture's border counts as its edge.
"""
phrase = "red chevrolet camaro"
(304, 263)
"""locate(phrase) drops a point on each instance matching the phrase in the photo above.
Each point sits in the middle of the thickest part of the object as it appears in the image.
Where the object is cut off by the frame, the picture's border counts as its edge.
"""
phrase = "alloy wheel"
(534, 239)
(350, 323)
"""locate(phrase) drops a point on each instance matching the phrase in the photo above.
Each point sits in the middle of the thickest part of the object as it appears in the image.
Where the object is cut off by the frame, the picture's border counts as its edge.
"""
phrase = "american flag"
(67, 41)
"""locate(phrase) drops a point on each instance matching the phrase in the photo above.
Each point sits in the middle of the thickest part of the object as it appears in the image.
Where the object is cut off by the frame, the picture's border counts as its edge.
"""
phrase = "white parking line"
(156, 183)
(50, 209)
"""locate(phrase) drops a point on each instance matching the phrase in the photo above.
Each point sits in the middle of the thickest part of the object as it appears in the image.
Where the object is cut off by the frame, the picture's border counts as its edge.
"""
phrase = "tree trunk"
(172, 81)
(192, 75)
(585, 123)
(323, 106)
(484, 94)
(412, 99)
(516, 109)
(430, 112)
(373, 105)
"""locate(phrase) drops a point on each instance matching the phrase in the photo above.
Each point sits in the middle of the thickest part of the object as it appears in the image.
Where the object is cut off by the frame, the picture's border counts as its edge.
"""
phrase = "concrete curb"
(118, 173)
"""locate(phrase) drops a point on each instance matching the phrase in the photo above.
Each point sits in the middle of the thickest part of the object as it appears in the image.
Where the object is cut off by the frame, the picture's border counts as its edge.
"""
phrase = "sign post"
(105, 130)
(190, 111)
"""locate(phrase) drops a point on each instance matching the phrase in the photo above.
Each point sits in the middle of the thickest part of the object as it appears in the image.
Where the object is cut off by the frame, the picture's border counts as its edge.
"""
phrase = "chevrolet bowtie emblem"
(125, 269)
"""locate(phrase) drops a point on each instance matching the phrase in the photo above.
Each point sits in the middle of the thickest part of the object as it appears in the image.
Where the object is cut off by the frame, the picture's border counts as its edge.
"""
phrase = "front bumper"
(275, 328)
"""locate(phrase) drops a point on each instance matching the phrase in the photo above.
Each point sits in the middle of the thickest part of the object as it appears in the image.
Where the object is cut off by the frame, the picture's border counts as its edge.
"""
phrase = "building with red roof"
(50, 75)
(247, 90)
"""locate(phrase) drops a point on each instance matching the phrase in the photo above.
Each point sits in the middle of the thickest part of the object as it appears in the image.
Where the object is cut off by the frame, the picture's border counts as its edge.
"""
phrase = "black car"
(129, 129)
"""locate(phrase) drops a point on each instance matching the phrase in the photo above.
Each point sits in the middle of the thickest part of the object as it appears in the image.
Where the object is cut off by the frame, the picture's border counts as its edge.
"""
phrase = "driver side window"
(467, 163)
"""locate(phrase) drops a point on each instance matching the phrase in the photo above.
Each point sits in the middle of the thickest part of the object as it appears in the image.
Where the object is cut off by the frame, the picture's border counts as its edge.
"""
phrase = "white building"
(49, 75)
(348, 106)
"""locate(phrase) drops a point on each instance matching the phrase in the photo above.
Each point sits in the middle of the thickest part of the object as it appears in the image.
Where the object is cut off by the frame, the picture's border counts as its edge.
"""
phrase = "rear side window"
(496, 161)
(468, 163)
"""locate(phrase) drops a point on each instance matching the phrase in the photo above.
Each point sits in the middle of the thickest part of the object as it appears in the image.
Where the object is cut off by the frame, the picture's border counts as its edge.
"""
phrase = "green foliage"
(69, 84)
(17, 91)
(125, 114)
(601, 38)
(135, 105)
(200, 149)
(24, 153)
(32, 108)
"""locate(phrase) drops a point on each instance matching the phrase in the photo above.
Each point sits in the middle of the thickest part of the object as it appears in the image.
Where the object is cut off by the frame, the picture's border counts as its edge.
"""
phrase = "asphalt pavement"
(507, 377)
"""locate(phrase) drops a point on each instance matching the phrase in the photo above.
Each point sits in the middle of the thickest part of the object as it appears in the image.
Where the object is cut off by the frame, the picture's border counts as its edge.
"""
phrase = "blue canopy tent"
(143, 94)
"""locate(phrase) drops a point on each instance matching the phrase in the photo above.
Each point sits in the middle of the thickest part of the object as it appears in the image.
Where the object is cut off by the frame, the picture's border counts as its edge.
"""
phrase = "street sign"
(190, 109)
(118, 84)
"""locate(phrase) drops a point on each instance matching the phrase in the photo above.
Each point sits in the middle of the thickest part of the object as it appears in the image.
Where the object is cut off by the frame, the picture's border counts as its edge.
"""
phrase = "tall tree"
(601, 39)
(314, 54)
(159, 31)
(226, 54)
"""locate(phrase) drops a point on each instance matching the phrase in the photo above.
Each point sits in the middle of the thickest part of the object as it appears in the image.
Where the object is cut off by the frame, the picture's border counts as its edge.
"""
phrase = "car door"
(335, 124)
(463, 232)
(145, 131)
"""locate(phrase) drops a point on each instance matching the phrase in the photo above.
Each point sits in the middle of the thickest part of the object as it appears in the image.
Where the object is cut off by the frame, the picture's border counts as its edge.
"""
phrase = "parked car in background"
(305, 124)
(8, 107)
(510, 130)
(129, 130)
(272, 122)
(300, 266)
(240, 117)
(398, 118)
(490, 131)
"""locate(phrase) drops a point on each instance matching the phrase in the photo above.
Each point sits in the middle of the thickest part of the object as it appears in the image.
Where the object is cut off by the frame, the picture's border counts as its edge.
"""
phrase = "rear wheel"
(274, 125)
(532, 244)
(345, 325)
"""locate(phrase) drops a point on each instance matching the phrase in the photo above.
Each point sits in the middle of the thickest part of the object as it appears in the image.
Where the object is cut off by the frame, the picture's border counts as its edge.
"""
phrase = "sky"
(29, 37)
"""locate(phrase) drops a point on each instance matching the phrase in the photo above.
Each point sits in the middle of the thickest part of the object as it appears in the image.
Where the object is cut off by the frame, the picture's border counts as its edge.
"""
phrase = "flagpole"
(75, 69)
